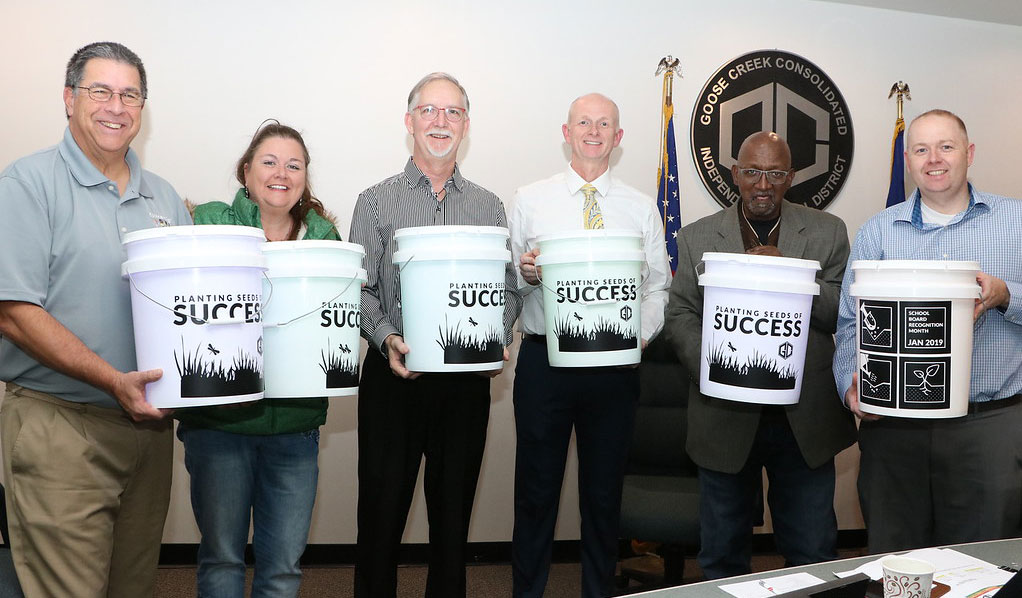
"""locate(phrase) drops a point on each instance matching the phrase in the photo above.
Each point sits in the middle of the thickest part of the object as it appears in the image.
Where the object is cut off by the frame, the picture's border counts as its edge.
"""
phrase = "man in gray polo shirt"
(87, 461)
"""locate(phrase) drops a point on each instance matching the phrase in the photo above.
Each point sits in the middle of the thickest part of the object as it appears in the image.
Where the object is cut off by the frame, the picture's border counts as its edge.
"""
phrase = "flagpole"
(668, 190)
(896, 189)
(669, 68)
(900, 88)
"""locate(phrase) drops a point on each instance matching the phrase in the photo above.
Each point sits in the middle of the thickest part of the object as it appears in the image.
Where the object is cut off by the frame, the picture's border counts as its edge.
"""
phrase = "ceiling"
(1005, 12)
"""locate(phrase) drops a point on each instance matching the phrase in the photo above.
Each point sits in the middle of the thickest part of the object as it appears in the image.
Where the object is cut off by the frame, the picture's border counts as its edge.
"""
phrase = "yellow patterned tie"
(590, 209)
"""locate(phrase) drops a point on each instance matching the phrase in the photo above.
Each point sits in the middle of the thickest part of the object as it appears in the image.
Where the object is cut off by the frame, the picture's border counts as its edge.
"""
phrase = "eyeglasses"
(102, 94)
(430, 112)
(753, 175)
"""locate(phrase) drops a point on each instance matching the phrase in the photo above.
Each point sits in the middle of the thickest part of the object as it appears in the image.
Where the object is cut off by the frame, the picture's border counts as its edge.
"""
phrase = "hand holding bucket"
(129, 390)
(852, 401)
(993, 292)
(396, 351)
(531, 273)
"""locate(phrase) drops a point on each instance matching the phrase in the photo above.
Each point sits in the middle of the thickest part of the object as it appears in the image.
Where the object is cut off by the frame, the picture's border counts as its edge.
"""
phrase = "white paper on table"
(967, 576)
(973, 581)
(940, 558)
(763, 588)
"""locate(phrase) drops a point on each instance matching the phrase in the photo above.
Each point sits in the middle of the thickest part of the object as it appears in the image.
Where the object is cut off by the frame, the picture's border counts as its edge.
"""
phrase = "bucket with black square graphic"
(914, 336)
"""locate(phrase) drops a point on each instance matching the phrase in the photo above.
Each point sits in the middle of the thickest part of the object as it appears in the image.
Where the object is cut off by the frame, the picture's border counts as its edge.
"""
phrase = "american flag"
(668, 193)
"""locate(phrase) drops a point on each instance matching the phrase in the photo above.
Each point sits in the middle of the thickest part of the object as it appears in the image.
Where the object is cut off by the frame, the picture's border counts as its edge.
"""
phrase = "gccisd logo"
(772, 90)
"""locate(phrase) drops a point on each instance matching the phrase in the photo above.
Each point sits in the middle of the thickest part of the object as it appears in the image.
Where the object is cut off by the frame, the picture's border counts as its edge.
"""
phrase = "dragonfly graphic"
(472, 322)
(212, 349)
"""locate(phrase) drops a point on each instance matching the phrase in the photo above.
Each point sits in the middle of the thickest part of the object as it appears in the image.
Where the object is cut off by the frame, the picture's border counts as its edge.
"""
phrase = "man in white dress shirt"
(598, 402)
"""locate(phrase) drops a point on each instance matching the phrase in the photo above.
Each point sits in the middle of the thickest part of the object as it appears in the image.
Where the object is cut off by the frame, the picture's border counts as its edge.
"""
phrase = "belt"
(980, 407)
(536, 338)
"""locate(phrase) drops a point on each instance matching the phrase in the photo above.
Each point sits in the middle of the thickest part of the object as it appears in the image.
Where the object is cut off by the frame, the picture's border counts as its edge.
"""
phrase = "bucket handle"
(221, 322)
(306, 314)
(587, 303)
(983, 316)
(401, 268)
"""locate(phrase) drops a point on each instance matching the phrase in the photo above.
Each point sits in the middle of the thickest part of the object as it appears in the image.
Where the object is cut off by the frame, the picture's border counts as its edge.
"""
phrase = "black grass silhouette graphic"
(205, 377)
(758, 371)
(341, 368)
(572, 335)
(462, 346)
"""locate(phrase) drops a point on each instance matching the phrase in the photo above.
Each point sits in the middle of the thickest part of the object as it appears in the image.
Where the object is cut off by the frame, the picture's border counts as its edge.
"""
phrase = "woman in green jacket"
(261, 457)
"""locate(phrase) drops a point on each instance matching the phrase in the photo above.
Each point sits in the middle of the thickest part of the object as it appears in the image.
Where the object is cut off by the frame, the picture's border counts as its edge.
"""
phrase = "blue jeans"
(801, 505)
(268, 479)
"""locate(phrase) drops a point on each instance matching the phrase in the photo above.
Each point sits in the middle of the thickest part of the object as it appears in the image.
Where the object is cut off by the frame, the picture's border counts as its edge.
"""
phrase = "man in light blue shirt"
(944, 481)
(87, 461)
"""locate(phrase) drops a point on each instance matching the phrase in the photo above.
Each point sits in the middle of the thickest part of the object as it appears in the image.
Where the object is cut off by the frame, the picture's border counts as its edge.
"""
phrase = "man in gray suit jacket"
(732, 442)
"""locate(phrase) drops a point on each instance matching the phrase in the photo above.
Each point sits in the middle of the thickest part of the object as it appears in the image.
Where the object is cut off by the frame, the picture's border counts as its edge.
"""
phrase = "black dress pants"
(441, 416)
(599, 403)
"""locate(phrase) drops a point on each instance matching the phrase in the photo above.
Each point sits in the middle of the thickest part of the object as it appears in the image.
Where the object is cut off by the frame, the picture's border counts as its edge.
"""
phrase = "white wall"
(340, 72)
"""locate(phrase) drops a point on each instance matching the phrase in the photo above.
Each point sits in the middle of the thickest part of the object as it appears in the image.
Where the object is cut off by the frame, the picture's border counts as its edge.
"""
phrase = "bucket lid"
(178, 262)
(315, 271)
(948, 266)
(749, 283)
(447, 230)
(602, 233)
(763, 260)
(278, 246)
(212, 230)
(449, 254)
(576, 257)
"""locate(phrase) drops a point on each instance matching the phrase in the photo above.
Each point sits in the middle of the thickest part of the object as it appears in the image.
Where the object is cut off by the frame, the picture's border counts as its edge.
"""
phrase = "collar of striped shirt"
(415, 177)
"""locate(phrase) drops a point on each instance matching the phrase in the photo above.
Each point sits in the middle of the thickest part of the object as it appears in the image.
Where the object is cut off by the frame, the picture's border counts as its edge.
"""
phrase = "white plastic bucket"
(914, 336)
(592, 297)
(452, 282)
(196, 303)
(755, 326)
(311, 318)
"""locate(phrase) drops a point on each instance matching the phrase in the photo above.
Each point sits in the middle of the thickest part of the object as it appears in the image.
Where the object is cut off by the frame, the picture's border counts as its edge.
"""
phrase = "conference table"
(998, 552)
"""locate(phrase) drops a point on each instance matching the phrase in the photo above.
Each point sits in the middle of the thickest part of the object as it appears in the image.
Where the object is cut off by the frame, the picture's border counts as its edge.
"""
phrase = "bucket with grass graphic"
(452, 296)
(196, 303)
(914, 336)
(755, 326)
(592, 296)
(311, 319)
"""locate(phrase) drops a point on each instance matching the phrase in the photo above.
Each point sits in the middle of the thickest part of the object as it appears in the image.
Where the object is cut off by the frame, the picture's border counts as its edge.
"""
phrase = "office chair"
(660, 501)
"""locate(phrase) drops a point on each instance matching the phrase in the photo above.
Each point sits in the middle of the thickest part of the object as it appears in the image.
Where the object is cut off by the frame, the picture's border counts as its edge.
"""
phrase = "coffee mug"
(907, 578)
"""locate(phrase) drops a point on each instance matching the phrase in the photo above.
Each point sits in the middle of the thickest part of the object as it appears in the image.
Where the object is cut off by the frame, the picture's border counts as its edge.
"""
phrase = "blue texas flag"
(896, 192)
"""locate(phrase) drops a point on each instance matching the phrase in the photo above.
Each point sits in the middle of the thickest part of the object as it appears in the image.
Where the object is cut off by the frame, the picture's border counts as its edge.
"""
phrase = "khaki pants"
(87, 496)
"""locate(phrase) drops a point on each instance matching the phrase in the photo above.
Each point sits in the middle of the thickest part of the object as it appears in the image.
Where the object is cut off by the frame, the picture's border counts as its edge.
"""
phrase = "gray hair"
(413, 95)
(110, 51)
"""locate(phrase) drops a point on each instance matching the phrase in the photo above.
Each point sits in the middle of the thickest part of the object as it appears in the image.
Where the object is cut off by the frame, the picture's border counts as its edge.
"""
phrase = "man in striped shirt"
(403, 415)
(926, 482)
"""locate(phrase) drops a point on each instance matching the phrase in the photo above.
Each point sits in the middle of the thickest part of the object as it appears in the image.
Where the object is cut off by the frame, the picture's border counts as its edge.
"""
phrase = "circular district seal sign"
(772, 90)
